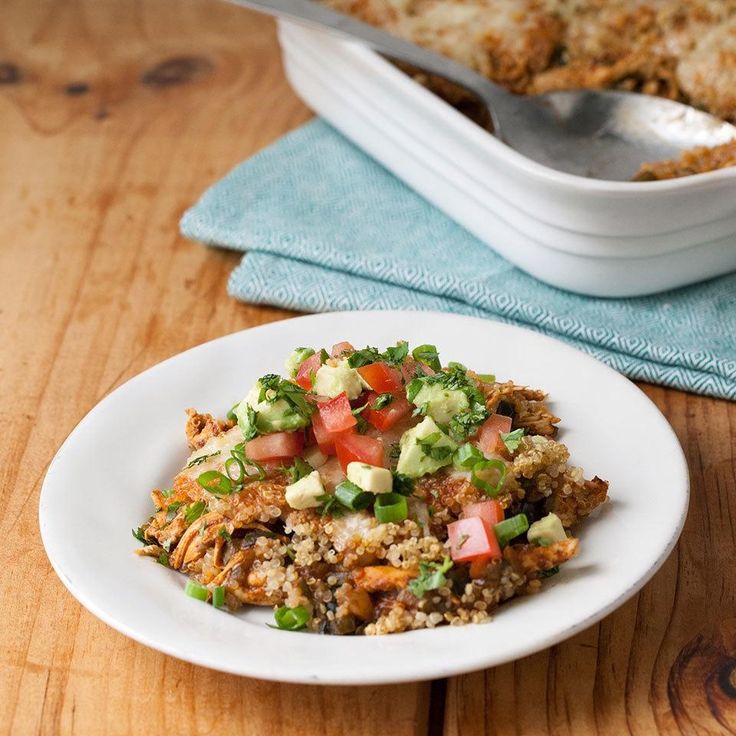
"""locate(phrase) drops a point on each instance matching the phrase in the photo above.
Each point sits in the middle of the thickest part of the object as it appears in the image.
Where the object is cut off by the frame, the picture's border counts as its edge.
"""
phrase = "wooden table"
(114, 116)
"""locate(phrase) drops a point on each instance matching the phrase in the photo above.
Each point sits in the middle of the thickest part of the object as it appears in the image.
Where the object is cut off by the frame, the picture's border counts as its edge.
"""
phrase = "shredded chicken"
(530, 410)
(201, 428)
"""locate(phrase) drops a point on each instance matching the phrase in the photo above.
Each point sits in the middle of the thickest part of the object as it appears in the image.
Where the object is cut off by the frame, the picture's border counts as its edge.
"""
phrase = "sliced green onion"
(428, 355)
(218, 596)
(215, 482)
(239, 452)
(467, 456)
(481, 466)
(291, 619)
(195, 590)
(508, 529)
(390, 507)
(234, 463)
(353, 497)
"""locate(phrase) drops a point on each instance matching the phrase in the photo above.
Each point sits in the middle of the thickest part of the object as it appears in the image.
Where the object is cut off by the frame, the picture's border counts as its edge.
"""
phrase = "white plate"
(97, 489)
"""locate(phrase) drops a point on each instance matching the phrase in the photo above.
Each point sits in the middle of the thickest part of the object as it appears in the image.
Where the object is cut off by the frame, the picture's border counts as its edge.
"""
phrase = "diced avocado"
(440, 403)
(424, 449)
(370, 478)
(296, 359)
(315, 457)
(546, 531)
(268, 416)
(332, 380)
(304, 493)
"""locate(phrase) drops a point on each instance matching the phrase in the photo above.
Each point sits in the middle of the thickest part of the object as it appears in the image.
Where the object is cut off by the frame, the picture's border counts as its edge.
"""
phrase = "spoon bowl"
(600, 134)
(606, 134)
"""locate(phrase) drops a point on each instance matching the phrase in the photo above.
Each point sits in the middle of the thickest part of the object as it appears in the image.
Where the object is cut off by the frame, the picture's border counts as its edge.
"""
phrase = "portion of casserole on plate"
(683, 50)
(372, 492)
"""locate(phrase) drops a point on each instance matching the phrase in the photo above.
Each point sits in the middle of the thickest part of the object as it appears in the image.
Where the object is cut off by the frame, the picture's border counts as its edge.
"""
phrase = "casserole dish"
(600, 238)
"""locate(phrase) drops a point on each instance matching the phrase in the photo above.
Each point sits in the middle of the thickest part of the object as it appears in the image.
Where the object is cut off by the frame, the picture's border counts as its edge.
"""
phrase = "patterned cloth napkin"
(327, 228)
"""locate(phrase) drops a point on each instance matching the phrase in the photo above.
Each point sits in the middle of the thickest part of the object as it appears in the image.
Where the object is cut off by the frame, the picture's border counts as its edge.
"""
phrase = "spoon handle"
(315, 14)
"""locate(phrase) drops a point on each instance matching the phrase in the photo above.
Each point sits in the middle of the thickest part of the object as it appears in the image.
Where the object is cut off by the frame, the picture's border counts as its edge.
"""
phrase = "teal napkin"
(327, 228)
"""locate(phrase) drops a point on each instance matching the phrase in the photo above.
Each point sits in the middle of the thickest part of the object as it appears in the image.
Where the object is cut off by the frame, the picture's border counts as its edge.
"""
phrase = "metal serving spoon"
(602, 134)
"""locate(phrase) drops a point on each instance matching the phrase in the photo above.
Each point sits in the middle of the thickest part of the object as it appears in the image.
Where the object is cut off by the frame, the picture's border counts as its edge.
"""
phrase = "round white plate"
(97, 489)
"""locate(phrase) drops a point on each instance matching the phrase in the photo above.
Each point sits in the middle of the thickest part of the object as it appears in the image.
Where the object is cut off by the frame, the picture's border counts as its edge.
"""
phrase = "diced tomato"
(472, 538)
(490, 431)
(307, 370)
(341, 347)
(382, 378)
(490, 511)
(385, 418)
(358, 448)
(311, 439)
(275, 446)
(336, 414)
(325, 439)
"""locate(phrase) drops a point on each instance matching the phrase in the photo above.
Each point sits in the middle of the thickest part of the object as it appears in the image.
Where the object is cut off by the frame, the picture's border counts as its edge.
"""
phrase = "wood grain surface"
(114, 116)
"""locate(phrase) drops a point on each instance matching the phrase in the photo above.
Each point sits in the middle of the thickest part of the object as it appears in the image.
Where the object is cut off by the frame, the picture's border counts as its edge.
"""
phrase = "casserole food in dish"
(594, 237)
(681, 50)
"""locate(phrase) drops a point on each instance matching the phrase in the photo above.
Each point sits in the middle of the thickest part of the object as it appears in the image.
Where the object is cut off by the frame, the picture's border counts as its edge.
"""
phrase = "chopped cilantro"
(393, 355)
(512, 440)
(163, 558)
(171, 510)
(549, 573)
(382, 401)
(403, 484)
(300, 469)
(194, 511)
(397, 354)
(199, 460)
(430, 448)
(138, 534)
(250, 431)
(328, 504)
(225, 534)
(431, 576)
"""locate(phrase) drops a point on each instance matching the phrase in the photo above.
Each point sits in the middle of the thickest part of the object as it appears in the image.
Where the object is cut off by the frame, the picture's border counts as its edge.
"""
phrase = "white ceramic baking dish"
(594, 237)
